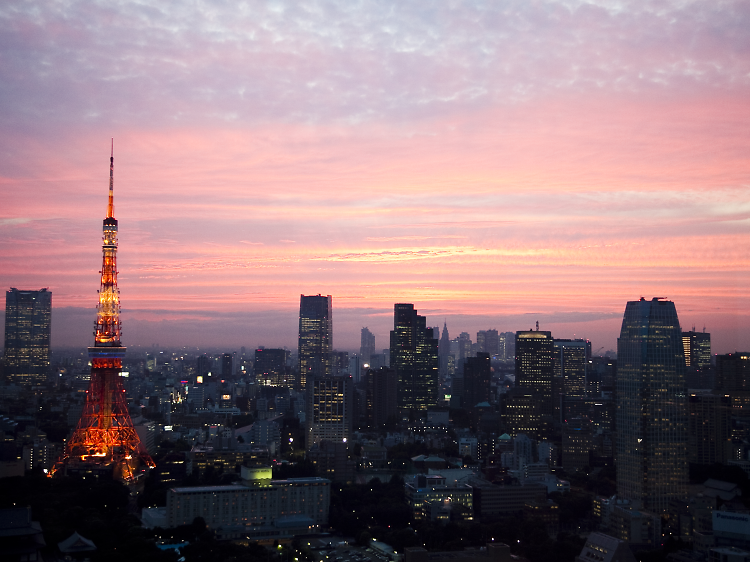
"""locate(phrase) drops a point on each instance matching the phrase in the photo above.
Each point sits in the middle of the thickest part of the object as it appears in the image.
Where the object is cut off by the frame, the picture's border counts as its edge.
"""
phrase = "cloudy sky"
(495, 163)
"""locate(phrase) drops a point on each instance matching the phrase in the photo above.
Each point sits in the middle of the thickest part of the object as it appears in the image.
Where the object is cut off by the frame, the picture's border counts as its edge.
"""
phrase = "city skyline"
(496, 165)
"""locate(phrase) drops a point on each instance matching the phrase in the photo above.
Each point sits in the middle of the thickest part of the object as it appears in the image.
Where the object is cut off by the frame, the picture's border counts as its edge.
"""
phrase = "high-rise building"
(709, 428)
(270, 367)
(569, 362)
(477, 379)
(227, 365)
(27, 335)
(577, 444)
(697, 346)
(367, 346)
(381, 396)
(506, 345)
(521, 413)
(733, 372)
(534, 371)
(329, 409)
(652, 410)
(315, 337)
(340, 363)
(414, 356)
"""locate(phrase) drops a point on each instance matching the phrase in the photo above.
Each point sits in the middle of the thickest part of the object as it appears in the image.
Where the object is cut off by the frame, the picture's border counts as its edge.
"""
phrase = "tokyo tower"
(105, 438)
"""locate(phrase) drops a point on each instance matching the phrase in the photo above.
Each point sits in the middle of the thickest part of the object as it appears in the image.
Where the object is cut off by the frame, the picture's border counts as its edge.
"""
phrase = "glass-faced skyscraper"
(27, 335)
(315, 331)
(651, 406)
(414, 356)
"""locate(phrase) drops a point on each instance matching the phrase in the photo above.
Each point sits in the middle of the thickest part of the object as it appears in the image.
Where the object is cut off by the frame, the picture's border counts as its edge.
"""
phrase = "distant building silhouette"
(488, 342)
(414, 356)
(315, 337)
(464, 348)
(652, 410)
(367, 346)
(444, 353)
(27, 335)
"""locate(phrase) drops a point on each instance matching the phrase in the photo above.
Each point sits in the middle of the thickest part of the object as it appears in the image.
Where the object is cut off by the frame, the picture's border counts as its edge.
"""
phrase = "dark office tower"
(203, 366)
(340, 363)
(733, 372)
(381, 396)
(652, 408)
(534, 372)
(270, 367)
(315, 337)
(414, 356)
(329, 409)
(570, 361)
(367, 346)
(27, 335)
(226, 365)
(488, 342)
(444, 351)
(520, 413)
(709, 428)
(477, 378)
(697, 346)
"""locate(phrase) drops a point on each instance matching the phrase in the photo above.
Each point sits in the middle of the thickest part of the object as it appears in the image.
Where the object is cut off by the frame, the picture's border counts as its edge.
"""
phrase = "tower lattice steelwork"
(105, 436)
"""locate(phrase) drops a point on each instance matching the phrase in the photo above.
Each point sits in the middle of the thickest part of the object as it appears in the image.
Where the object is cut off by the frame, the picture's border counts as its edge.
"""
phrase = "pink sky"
(493, 163)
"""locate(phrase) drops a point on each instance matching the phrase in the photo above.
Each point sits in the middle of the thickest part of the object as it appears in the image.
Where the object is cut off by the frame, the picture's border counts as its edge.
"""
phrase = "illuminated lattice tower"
(105, 437)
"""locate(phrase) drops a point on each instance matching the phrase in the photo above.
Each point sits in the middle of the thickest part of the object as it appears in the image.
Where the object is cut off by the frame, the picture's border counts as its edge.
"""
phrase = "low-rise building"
(496, 499)
(426, 489)
(256, 503)
(604, 548)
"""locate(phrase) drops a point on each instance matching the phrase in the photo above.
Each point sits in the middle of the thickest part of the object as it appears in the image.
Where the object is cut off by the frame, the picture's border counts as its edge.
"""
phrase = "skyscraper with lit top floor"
(315, 337)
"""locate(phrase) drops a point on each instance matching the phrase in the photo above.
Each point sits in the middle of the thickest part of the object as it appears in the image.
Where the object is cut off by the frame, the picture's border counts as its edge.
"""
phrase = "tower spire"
(111, 206)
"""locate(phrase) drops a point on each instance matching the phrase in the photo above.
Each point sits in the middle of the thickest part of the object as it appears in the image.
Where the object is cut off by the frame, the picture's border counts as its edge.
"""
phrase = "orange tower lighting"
(105, 437)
